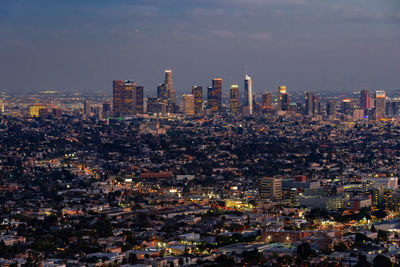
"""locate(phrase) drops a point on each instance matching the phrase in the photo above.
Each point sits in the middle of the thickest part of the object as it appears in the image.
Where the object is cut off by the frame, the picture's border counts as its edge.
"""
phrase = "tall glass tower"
(248, 93)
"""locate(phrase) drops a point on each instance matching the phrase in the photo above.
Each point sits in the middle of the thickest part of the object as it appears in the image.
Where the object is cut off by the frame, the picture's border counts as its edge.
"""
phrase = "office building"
(87, 109)
(380, 105)
(167, 93)
(347, 107)
(365, 100)
(1, 106)
(188, 105)
(197, 92)
(316, 106)
(139, 107)
(266, 101)
(331, 108)
(309, 99)
(162, 92)
(271, 188)
(234, 99)
(156, 106)
(358, 114)
(34, 110)
(123, 96)
(214, 95)
(283, 99)
(248, 94)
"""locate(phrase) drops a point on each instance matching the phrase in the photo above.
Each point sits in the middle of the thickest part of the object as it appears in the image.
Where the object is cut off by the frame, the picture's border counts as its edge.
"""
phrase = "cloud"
(260, 36)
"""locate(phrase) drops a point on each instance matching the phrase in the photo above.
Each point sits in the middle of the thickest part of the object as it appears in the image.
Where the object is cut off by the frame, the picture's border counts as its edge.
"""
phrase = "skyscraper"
(123, 97)
(380, 104)
(283, 98)
(365, 100)
(197, 92)
(167, 94)
(87, 109)
(166, 90)
(248, 93)
(168, 80)
(216, 95)
(331, 108)
(316, 106)
(107, 110)
(347, 107)
(188, 105)
(266, 101)
(209, 97)
(161, 92)
(309, 98)
(234, 99)
(139, 109)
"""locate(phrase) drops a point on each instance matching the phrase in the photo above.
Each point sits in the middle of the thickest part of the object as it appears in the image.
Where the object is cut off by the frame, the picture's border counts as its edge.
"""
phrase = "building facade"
(234, 99)
(248, 94)
(197, 92)
(123, 97)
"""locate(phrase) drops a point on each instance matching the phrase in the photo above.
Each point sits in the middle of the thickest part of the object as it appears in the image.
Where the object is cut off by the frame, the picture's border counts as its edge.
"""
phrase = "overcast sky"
(315, 45)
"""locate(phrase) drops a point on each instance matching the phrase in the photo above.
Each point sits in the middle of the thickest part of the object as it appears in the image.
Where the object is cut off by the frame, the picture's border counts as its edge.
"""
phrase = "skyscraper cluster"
(128, 100)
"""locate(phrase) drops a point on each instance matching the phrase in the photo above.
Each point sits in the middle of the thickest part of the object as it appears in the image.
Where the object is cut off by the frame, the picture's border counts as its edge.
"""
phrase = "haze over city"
(305, 44)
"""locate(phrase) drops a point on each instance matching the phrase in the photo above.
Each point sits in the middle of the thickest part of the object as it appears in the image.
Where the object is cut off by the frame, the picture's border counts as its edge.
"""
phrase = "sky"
(317, 45)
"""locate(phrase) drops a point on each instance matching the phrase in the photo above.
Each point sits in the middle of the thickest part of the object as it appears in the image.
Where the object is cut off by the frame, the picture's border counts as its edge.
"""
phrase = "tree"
(340, 247)
(304, 251)
(361, 238)
(362, 261)
(380, 214)
(132, 259)
(382, 261)
(382, 235)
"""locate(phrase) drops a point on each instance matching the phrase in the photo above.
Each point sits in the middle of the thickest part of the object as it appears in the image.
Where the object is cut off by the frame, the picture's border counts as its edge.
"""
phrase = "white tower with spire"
(248, 93)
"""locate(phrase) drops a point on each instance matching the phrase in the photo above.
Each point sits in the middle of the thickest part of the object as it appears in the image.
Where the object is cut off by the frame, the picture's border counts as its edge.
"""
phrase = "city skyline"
(306, 45)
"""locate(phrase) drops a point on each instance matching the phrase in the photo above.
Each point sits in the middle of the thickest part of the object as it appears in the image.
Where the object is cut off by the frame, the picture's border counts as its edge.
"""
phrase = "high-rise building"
(248, 93)
(167, 93)
(162, 92)
(271, 188)
(283, 98)
(1, 106)
(156, 106)
(123, 96)
(266, 101)
(380, 104)
(395, 108)
(197, 92)
(216, 96)
(188, 105)
(347, 107)
(166, 90)
(282, 90)
(365, 100)
(87, 109)
(234, 99)
(358, 114)
(316, 106)
(139, 107)
(309, 99)
(168, 80)
(331, 108)
(107, 110)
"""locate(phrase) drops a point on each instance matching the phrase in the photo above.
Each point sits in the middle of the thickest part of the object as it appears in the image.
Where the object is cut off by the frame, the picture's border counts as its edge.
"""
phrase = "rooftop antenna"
(245, 68)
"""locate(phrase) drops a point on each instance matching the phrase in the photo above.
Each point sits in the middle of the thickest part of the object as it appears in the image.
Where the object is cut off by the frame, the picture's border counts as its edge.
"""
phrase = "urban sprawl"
(210, 178)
